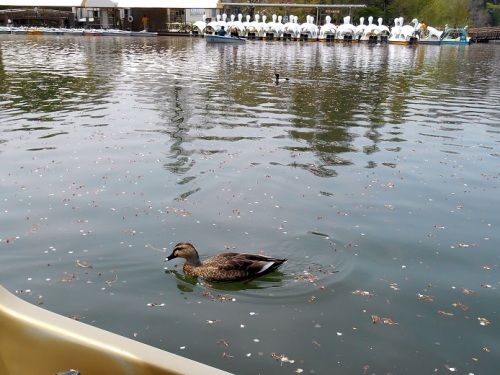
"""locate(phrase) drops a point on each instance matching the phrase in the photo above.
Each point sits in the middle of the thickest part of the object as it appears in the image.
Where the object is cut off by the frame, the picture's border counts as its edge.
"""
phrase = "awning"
(185, 4)
(99, 3)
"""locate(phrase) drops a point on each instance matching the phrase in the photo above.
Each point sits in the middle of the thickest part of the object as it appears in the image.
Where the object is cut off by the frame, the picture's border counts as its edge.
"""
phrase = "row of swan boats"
(400, 33)
(412, 33)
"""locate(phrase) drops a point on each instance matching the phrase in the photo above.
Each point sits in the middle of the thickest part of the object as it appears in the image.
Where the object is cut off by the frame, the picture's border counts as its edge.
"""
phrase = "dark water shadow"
(186, 283)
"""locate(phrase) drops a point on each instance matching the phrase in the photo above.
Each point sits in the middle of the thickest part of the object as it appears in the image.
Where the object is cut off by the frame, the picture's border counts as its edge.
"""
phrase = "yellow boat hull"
(37, 341)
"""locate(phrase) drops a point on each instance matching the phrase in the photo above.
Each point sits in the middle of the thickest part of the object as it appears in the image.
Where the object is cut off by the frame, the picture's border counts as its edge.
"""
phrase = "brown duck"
(224, 267)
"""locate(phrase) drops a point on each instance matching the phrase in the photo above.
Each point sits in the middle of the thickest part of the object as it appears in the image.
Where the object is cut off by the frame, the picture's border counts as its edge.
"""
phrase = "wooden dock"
(484, 34)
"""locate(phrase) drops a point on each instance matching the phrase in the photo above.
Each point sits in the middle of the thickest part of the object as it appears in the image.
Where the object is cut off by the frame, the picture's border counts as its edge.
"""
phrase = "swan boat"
(404, 35)
(36, 341)
(455, 35)
(211, 38)
(431, 36)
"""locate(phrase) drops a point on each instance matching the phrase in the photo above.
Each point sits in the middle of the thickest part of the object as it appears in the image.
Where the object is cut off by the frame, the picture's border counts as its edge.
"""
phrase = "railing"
(484, 34)
(179, 27)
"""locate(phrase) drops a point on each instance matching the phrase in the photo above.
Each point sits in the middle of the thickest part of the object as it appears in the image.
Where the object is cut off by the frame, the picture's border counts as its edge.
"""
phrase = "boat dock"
(484, 34)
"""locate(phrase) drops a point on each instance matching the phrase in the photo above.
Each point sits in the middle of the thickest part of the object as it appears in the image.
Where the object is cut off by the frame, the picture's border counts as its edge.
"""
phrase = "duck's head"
(184, 250)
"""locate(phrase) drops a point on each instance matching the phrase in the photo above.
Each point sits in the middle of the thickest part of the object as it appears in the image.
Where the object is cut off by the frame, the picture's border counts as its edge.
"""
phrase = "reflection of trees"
(328, 101)
(177, 130)
(39, 85)
(45, 92)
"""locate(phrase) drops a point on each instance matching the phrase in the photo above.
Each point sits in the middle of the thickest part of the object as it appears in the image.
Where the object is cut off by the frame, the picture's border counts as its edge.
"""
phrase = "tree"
(494, 11)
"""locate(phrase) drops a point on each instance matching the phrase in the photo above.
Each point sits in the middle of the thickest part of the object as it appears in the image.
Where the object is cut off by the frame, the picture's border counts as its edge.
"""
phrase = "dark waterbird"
(224, 267)
(277, 75)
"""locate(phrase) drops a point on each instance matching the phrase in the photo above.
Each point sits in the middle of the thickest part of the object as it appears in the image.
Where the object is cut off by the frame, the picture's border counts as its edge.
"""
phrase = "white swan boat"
(431, 36)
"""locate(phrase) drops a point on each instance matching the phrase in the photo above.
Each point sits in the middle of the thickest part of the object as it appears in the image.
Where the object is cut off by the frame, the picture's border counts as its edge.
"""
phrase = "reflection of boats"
(223, 39)
(52, 31)
(93, 32)
(115, 32)
(37, 341)
(144, 34)
(35, 31)
(455, 35)
(19, 31)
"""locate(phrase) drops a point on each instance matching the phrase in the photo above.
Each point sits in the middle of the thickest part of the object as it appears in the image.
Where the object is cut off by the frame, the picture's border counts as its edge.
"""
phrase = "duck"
(226, 267)
(277, 76)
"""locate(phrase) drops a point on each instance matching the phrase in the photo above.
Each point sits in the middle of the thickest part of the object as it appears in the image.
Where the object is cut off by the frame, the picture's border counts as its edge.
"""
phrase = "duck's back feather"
(234, 267)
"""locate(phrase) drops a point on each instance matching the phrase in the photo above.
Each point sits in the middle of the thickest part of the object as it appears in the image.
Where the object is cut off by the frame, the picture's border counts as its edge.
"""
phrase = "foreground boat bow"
(37, 341)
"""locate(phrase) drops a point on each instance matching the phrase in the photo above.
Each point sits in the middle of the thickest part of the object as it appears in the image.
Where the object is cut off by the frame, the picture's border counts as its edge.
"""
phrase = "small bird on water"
(224, 267)
(278, 78)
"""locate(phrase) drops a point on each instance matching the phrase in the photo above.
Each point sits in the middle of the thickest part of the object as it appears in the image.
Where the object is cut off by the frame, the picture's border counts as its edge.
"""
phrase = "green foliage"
(370, 10)
(459, 12)
(435, 12)
(494, 10)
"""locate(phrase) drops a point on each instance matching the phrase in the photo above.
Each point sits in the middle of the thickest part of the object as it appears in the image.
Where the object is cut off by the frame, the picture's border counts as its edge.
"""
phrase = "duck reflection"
(188, 284)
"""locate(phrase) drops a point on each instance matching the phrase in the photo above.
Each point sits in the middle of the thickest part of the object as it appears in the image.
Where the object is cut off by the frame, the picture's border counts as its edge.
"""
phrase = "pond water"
(374, 170)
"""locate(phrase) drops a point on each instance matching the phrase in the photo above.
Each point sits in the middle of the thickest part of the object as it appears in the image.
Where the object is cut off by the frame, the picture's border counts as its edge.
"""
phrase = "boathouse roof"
(185, 4)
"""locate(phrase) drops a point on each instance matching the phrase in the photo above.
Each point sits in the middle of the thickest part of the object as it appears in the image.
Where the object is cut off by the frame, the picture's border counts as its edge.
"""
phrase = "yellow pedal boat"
(37, 341)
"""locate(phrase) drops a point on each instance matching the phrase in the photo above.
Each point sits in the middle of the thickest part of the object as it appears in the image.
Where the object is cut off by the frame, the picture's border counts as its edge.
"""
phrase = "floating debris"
(363, 293)
(460, 305)
(282, 358)
(110, 282)
(83, 264)
(319, 234)
(378, 320)
(441, 312)
(484, 321)
(223, 342)
(220, 297)
(155, 304)
(425, 297)
(307, 277)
